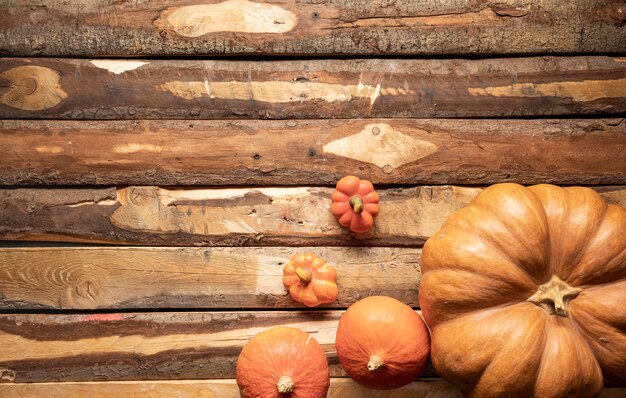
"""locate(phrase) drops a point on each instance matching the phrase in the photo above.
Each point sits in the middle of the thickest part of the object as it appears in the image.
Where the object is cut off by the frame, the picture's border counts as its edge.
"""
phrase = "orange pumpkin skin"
(382, 343)
(272, 357)
(310, 280)
(524, 292)
(355, 204)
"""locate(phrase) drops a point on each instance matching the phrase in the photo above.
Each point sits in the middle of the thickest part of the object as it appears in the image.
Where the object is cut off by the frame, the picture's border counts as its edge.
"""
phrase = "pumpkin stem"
(357, 204)
(375, 363)
(305, 275)
(285, 385)
(554, 296)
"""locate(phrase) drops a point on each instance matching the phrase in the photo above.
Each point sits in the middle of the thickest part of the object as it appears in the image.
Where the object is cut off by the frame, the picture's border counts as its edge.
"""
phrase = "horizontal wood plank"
(332, 88)
(313, 152)
(201, 27)
(227, 388)
(146, 346)
(158, 346)
(227, 217)
(144, 277)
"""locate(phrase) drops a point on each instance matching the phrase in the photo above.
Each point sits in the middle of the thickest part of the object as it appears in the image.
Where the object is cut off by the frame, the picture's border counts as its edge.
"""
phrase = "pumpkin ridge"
(594, 229)
(583, 335)
(517, 294)
(457, 225)
(575, 271)
(496, 245)
(509, 335)
(594, 334)
(543, 362)
(595, 286)
(439, 240)
(482, 309)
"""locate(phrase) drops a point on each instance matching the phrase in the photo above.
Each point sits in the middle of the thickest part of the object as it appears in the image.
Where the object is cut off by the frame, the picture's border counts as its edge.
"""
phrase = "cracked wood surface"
(300, 27)
(162, 216)
(193, 89)
(315, 152)
(148, 277)
(146, 346)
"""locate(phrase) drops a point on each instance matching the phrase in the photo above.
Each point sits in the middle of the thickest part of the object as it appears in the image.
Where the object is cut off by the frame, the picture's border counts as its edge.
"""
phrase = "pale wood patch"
(228, 16)
(582, 91)
(382, 145)
(279, 91)
(118, 66)
(32, 88)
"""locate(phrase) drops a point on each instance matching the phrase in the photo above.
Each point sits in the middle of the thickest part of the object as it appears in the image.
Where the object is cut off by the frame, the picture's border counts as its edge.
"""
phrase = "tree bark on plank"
(160, 216)
(331, 27)
(313, 152)
(54, 88)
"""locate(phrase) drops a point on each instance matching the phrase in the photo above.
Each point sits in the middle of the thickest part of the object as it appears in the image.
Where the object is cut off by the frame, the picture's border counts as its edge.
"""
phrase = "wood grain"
(226, 217)
(339, 388)
(331, 88)
(330, 27)
(316, 152)
(146, 278)
(145, 346)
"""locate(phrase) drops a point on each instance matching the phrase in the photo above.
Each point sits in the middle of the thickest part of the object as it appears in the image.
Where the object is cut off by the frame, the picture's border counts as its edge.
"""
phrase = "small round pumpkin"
(283, 362)
(355, 204)
(524, 291)
(382, 343)
(310, 280)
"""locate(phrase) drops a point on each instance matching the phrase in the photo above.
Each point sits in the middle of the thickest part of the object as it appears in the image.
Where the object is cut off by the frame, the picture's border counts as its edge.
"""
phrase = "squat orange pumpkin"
(524, 291)
(382, 343)
(355, 204)
(310, 280)
(282, 362)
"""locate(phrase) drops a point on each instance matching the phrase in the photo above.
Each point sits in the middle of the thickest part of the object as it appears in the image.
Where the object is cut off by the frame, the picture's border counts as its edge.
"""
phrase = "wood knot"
(32, 88)
(7, 374)
(27, 86)
(85, 290)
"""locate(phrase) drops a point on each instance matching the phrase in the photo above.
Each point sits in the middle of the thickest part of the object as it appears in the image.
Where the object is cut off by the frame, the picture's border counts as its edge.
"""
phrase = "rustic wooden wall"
(160, 161)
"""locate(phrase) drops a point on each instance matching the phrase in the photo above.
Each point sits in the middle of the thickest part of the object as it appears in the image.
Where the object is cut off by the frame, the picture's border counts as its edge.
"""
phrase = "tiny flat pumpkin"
(282, 362)
(355, 204)
(310, 280)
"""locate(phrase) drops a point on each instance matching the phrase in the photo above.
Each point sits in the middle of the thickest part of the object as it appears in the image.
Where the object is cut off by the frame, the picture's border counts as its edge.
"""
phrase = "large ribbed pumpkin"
(382, 343)
(283, 362)
(524, 291)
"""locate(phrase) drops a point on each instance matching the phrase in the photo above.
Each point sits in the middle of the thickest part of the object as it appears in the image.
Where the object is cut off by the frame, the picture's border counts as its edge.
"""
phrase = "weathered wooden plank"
(145, 346)
(144, 277)
(226, 217)
(339, 388)
(200, 27)
(316, 152)
(331, 88)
